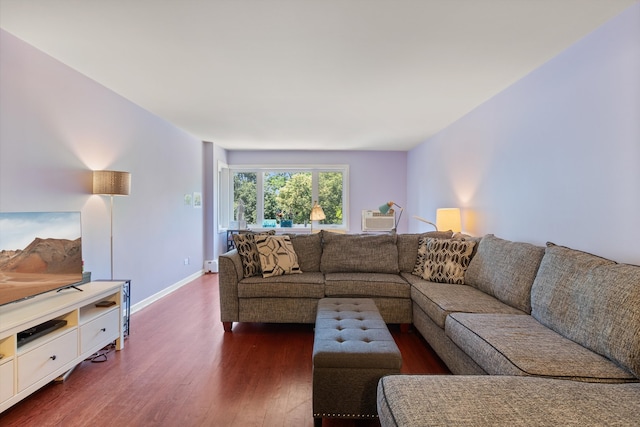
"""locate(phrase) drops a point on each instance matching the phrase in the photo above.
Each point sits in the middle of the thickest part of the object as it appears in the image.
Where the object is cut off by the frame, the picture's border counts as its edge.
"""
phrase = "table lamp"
(448, 219)
(317, 214)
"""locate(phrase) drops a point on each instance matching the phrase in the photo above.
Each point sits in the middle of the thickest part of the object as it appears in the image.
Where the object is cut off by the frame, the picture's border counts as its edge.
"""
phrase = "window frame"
(226, 196)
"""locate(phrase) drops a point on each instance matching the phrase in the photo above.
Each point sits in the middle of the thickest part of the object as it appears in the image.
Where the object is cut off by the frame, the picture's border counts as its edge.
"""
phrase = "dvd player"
(37, 331)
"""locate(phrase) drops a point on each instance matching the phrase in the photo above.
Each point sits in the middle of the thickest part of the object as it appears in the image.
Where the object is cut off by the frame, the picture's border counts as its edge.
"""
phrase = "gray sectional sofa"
(332, 265)
(508, 401)
(529, 314)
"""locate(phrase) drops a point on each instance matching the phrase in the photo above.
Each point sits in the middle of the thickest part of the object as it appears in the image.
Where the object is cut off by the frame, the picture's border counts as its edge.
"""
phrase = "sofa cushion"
(446, 260)
(277, 256)
(360, 253)
(408, 247)
(438, 300)
(592, 301)
(506, 344)
(304, 285)
(308, 247)
(505, 270)
(369, 284)
(481, 400)
(248, 251)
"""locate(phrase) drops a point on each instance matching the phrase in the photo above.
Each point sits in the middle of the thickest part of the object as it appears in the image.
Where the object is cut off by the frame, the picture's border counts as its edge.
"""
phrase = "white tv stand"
(28, 367)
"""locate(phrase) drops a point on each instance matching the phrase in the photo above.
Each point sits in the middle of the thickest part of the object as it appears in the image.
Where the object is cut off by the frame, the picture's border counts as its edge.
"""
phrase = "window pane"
(244, 188)
(287, 196)
(330, 196)
(278, 194)
(272, 183)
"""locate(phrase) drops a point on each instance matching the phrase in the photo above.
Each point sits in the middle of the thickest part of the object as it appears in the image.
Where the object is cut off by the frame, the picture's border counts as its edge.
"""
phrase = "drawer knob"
(53, 357)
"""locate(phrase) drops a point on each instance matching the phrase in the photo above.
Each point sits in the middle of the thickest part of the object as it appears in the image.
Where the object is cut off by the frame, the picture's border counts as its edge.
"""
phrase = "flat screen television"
(39, 252)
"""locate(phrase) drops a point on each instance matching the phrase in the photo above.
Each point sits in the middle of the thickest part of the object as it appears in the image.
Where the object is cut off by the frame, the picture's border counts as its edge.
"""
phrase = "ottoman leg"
(317, 422)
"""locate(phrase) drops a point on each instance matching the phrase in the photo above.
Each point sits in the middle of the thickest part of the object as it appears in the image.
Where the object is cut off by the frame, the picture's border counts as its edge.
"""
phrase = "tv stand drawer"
(42, 361)
(100, 332)
(6, 386)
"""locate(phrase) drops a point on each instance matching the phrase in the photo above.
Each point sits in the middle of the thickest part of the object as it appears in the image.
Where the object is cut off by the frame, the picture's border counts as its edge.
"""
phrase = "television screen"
(39, 252)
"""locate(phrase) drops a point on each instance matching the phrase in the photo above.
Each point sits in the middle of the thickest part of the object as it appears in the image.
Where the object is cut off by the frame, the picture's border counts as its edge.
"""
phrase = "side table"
(126, 304)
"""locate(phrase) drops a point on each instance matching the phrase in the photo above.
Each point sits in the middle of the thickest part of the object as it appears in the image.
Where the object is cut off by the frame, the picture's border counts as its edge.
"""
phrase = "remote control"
(106, 303)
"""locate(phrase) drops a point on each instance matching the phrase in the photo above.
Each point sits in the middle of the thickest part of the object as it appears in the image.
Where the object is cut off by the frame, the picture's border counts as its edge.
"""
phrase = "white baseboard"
(166, 291)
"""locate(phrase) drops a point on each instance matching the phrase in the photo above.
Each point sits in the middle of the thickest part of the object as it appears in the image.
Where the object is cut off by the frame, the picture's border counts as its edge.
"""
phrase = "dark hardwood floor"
(179, 368)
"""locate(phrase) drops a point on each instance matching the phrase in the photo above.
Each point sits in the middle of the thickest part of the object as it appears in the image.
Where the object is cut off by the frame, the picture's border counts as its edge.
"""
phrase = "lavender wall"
(375, 177)
(555, 157)
(57, 126)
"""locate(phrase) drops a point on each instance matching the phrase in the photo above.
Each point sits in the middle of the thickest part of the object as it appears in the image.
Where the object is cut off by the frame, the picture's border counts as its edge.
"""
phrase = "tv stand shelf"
(27, 367)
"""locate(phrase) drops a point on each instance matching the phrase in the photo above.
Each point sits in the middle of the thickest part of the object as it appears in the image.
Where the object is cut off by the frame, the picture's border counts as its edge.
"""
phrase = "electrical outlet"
(186, 261)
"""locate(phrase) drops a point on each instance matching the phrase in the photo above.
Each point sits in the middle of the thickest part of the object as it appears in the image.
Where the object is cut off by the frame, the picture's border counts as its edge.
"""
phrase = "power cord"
(101, 355)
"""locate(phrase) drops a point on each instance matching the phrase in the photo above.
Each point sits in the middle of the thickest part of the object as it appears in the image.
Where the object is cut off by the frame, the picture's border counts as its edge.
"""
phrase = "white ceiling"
(306, 74)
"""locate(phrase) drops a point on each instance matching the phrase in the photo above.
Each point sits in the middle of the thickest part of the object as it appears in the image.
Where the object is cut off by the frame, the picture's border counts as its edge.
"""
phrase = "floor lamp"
(446, 219)
(424, 220)
(111, 183)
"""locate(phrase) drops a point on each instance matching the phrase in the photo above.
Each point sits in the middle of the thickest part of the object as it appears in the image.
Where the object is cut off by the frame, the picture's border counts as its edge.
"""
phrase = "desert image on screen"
(39, 252)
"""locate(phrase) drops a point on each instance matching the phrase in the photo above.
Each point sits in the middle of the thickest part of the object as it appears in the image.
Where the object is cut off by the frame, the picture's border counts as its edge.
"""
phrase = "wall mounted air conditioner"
(377, 221)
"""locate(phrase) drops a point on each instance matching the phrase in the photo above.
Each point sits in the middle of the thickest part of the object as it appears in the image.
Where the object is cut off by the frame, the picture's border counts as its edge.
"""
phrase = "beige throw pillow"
(277, 256)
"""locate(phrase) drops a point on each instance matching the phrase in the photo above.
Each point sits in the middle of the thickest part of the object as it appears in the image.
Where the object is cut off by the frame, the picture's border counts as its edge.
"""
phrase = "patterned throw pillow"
(447, 260)
(277, 256)
(421, 258)
(248, 251)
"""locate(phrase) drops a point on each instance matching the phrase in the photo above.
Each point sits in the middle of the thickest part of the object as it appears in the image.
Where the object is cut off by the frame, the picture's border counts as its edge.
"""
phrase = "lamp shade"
(113, 183)
(317, 214)
(448, 219)
(384, 209)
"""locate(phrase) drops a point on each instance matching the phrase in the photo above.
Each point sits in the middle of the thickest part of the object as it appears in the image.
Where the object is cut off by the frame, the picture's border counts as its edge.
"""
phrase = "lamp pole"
(111, 237)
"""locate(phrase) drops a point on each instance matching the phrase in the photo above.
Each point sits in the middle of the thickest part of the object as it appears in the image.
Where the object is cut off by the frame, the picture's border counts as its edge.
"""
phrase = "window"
(283, 196)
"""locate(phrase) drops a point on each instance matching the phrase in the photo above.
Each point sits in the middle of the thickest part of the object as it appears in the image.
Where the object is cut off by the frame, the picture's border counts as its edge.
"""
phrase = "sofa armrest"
(230, 273)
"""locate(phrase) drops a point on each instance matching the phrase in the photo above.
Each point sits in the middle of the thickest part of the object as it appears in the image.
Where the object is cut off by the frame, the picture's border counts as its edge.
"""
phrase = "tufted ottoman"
(352, 350)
